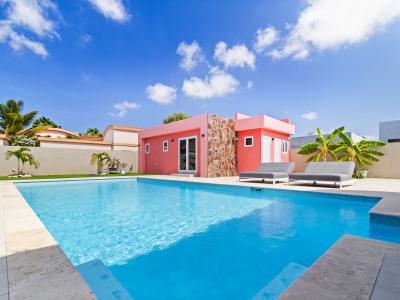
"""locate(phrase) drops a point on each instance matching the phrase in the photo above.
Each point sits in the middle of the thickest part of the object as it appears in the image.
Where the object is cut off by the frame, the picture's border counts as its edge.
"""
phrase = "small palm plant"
(363, 153)
(23, 157)
(113, 165)
(100, 159)
(322, 147)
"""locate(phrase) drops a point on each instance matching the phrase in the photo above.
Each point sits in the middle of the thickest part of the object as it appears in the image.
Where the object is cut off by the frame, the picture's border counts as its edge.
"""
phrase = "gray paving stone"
(384, 294)
(348, 270)
(389, 275)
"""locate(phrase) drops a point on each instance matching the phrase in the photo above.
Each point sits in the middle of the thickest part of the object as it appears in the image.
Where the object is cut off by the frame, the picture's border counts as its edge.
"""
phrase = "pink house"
(211, 146)
(261, 139)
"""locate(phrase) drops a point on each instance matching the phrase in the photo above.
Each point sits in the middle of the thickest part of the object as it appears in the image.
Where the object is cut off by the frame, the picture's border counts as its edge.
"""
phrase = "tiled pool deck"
(32, 266)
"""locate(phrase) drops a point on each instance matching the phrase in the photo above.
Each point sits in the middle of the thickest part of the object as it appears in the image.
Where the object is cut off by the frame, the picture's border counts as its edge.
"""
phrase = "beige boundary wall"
(387, 167)
(54, 161)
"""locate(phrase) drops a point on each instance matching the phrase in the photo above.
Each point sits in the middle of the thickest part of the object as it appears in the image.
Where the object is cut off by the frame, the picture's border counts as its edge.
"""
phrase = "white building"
(114, 138)
(389, 132)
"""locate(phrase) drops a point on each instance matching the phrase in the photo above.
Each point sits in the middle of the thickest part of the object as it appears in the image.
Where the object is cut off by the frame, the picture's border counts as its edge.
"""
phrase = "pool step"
(279, 284)
(102, 282)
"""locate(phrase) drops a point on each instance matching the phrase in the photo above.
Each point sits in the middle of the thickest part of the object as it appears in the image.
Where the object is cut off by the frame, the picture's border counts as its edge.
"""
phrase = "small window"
(147, 148)
(165, 146)
(248, 141)
(285, 146)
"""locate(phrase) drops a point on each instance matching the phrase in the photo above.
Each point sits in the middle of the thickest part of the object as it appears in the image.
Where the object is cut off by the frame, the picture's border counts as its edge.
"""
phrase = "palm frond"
(341, 149)
(369, 157)
(332, 154)
(28, 118)
(308, 148)
(370, 144)
(312, 158)
(335, 133)
(346, 139)
(373, 152)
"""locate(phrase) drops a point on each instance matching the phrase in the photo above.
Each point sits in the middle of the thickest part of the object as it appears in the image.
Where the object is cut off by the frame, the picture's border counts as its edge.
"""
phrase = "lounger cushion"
(320, 177)
(275, 167)
(330, 167)
(266, 175)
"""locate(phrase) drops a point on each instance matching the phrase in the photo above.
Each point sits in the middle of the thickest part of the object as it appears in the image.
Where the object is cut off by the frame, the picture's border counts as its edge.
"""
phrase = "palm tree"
(100, 159)
(322, 147)
(93, 132)
(23, 157)
(362, 153)
(12, 121)
(44, 121)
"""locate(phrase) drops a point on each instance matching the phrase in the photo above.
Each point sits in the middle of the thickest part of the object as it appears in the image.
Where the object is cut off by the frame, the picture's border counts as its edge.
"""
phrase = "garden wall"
(387, 167)
(58, 161)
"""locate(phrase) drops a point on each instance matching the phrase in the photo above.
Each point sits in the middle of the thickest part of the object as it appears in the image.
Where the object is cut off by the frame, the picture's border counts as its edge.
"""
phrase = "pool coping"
(349, 269)
(32, 264)
(385, 211)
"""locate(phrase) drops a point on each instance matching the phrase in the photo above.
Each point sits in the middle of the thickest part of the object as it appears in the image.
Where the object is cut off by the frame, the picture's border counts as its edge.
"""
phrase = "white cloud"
(264, 38)
(250, 84)
(123, 107)
(161, 93)
(28, 16)
(312, 115)
(32, 15)
(327, 24)
(217, 84)
(191, 55)
(85, 39)
(112, 9)
(237, 56)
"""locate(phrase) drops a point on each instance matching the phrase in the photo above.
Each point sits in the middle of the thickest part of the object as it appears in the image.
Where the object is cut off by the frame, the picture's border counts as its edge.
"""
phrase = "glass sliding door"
(182, 155)
(188, 155)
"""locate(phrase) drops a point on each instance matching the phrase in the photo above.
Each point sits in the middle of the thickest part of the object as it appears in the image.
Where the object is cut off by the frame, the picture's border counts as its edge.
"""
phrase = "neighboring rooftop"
(298, 141)
(389, 132)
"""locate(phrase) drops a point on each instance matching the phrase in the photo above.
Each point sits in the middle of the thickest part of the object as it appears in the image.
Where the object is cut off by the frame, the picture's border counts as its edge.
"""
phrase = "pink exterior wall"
(249, 158)
(159, 162)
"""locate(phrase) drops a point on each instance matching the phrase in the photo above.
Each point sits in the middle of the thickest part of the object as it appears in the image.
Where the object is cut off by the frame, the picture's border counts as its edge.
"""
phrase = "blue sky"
(90, 63)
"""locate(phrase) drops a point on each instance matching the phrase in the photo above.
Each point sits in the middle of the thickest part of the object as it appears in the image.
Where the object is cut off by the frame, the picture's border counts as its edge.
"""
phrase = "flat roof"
(73, 141)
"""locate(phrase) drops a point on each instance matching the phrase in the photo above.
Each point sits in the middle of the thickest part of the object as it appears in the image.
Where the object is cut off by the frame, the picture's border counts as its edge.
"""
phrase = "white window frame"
(186, 171)
(163, 146)
(285, 146)
(147, 148)
(252, 141)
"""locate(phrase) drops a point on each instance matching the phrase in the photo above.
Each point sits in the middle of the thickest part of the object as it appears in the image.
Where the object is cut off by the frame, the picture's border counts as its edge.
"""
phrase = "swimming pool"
(157, 239)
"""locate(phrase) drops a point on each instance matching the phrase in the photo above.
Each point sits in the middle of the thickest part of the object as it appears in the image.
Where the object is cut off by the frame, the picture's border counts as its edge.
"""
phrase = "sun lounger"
(270, 171)
(337, 172)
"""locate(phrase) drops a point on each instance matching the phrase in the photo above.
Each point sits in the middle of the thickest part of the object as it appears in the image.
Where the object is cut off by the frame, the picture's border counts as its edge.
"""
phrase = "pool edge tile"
(13, 208)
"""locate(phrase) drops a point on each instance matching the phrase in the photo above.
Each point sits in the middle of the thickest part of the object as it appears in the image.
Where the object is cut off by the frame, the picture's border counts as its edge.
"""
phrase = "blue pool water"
(168, 240)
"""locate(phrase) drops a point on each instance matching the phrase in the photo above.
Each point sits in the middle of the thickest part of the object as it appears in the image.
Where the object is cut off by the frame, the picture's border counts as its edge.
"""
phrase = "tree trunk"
(18, 167)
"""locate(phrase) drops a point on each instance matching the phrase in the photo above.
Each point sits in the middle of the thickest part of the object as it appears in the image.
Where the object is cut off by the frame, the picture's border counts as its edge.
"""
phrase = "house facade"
(114, 138)
(211, 146)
